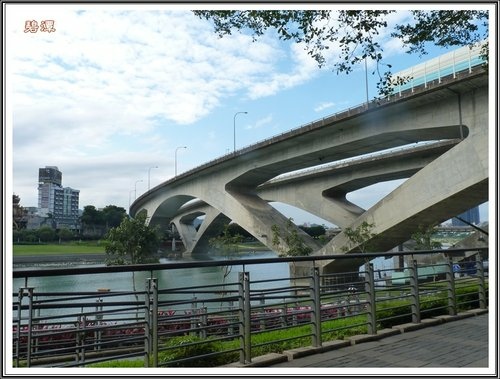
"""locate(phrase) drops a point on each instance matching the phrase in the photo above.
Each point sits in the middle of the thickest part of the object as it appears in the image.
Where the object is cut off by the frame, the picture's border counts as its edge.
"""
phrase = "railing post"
(23, 292)
(481, 284)
(80, 339)
(244, 317)
(147, 325)
(30, 325)
(450, 280)
(153, 294)
(17, 347)
(98, 319)
(370, 291)
(203, 322)
(415, 302)
(316, 307)
(194, 315)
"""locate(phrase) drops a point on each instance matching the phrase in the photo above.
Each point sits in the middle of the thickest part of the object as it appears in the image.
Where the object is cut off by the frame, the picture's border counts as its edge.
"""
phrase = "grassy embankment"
(59, 249)
(94, 247)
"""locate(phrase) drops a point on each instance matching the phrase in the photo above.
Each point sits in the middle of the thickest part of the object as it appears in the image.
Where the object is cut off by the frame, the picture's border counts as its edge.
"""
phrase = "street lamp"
(234, 127)
(135, 188)
(180, 147)
(149, 176)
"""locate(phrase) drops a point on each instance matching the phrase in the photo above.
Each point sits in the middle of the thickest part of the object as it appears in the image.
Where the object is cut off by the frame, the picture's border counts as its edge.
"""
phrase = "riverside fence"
(235, 321)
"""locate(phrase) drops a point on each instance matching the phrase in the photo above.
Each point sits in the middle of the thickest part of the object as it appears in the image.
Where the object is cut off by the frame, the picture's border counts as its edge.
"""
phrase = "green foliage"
(25, 235)
(47, 234)
(65, 234)
(118, 364)
(423, 238)
(293, 245)
(113, 215)
(185, 347)
(389, 313)
(227, 240)
(58, 248)
(354, 32)
(19, 214)
(359, 237)
(132, 242)
(314, 231)
(98, 222)
(443, 28)
(398, 311)
(234, 229)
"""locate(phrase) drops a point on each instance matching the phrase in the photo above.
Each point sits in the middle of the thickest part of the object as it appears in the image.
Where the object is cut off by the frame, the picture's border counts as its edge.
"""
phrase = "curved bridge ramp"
(240, 186)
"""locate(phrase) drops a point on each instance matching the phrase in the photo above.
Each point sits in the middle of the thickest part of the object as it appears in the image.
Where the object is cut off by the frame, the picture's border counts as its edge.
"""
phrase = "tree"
(423, 238)
(227, 240)
(235, 229)
(98, 222)
(355, 32)
(113, 215)
(359, 237)
(19, 214)
(92, 220)
(47, 234)
(65, 234)
(314, 231)
(294, 245)
(132, 242)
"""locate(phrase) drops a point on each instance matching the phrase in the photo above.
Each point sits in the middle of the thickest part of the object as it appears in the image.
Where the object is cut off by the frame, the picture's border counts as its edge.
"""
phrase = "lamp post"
(234, 128)
(149, 176)
(180, 147)
(135, 188)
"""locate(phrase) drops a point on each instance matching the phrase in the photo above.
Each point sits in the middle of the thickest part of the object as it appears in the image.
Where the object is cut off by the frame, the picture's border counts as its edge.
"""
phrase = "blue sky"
(115, 90)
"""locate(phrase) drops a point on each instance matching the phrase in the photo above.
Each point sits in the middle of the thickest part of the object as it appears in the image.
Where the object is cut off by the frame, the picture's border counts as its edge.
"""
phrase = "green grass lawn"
(56, 249)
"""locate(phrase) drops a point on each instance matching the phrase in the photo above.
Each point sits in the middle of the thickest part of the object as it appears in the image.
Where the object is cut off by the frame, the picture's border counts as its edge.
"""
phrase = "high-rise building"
(55, 201)
(472, 216)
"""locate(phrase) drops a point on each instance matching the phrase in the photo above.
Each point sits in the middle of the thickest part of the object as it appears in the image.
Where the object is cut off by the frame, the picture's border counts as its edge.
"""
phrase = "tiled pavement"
(449, 341)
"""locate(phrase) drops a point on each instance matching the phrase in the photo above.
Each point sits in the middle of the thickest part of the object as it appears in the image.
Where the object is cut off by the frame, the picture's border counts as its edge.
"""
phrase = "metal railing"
(237, 320)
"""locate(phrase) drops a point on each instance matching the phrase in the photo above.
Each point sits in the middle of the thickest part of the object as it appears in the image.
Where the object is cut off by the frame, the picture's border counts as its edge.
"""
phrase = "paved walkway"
(454, 342)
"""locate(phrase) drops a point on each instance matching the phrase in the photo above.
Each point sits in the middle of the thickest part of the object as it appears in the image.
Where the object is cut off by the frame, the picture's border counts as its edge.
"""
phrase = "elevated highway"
(239, 186)
(321, 191)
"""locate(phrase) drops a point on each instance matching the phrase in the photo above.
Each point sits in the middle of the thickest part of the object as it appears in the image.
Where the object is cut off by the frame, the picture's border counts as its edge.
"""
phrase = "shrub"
(185, 351)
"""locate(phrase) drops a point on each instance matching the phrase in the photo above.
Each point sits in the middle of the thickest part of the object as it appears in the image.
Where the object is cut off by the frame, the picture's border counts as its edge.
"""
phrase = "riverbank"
(95, 258)
(93, 253)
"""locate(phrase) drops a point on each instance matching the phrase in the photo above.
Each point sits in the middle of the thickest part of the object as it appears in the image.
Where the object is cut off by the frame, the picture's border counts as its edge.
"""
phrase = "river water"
(198, 276)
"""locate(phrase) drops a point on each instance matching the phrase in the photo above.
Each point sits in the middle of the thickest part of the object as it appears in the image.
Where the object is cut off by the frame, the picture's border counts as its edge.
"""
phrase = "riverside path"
(453, 342)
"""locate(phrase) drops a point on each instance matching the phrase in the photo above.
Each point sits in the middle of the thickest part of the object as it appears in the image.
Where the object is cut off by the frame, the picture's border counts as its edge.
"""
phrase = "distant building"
(58, 203)
(472, 216)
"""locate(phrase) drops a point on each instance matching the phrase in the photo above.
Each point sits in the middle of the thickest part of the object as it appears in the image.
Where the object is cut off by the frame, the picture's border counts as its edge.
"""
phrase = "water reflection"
(166, 279)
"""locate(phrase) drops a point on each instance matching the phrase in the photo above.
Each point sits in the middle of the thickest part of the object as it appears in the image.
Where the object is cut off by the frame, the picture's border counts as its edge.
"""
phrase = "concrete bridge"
(445, 178)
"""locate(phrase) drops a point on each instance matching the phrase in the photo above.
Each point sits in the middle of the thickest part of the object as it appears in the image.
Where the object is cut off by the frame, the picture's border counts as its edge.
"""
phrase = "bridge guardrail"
(235, 321)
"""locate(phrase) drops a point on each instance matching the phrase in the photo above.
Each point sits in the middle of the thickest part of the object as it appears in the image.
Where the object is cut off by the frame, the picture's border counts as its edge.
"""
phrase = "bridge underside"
(444, 178)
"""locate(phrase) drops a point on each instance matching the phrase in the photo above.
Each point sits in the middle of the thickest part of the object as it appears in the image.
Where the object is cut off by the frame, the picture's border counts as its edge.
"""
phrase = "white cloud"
(108, 76)
(324, 105)
(112, 93)
(303, 69)
(261, 122)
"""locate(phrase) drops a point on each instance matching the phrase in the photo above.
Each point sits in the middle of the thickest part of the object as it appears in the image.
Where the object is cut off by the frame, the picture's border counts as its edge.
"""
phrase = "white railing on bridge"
(462, 59)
